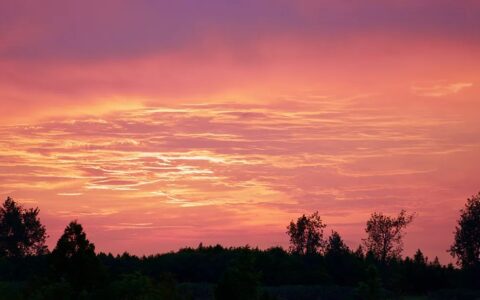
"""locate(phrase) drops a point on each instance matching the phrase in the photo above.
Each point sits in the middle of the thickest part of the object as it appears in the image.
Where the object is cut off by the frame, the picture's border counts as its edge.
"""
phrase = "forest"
(317, 265)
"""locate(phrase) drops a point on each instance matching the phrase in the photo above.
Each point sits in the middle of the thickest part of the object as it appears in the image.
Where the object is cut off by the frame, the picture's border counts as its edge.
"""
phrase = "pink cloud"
(216, 122)
(255, 165)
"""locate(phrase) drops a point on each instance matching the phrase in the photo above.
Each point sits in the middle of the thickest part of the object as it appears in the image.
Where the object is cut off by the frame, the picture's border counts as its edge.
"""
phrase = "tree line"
(315, 266)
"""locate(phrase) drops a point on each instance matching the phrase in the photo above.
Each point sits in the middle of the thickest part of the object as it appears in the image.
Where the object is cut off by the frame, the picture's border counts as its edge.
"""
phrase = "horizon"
(163, 125)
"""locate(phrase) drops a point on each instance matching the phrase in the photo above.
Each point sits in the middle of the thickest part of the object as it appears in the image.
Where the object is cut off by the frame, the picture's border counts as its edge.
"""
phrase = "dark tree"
(419, 258)
(74, 258)
(21, 232)
(436, 262)
(240, 281)
(342, 265)
(385, 235)
(306, 235)
(371, 288)
(466, 247)
(359, 253)
(336, 245)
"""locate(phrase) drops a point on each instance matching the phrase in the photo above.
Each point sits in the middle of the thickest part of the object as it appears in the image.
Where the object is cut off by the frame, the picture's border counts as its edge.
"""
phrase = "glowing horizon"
(160, 126)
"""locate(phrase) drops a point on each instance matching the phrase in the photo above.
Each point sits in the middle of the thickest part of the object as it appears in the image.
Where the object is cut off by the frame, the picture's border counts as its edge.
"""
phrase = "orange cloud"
(214, 122)
(256, 165)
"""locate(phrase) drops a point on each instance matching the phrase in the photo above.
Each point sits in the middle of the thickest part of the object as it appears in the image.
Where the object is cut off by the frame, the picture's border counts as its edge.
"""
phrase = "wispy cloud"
(440, 89)
(224, 164)
(219, 122)
(69, 194)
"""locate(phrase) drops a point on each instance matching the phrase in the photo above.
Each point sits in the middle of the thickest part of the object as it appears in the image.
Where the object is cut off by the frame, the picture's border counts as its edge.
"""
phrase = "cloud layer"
(65, 56)
(237, 173)
(164, 124)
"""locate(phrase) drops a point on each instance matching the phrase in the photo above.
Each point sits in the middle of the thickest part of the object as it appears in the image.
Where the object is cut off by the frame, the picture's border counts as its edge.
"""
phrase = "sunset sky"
(163, 124)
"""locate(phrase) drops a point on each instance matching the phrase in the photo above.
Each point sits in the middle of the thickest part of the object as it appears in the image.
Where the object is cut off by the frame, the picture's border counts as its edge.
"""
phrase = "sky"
(163, 124)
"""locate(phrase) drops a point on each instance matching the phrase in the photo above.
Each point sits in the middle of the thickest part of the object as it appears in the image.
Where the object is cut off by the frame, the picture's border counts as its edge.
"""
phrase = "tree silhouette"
(21, 232)
(74, 258)
(466, 246)
(341, 264)
(419, 258)
(385, 235)
(335, 245)
(306, 235)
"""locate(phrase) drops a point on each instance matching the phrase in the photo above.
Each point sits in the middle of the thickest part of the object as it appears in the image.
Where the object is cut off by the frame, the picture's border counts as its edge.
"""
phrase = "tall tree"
(21, 232)
(466, 246)
(385, 235)
(74, 258)
(342, 266)
(306, 235)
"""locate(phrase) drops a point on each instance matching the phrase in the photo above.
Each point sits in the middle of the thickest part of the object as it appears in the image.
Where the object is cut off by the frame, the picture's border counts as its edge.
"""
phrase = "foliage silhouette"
(238, 283)
(335, 245)
(138, 286)
(343, 266)
(306, 234)
(466, 246)
(385, 235)
(73, 271)
(74, 259)
(21, 232)
(371, 288)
